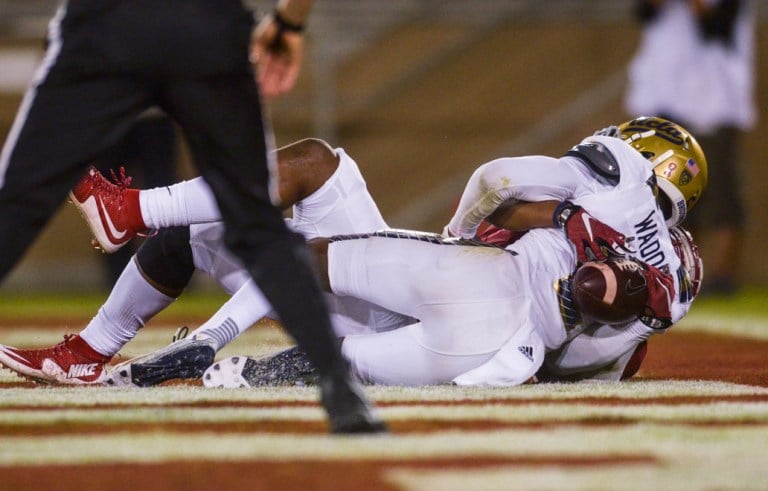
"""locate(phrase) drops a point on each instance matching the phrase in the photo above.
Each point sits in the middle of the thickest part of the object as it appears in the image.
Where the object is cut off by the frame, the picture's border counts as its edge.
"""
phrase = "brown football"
(610, 292)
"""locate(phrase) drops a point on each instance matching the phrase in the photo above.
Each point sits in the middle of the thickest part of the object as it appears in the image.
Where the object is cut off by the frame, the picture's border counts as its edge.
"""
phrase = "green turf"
(19, 307)
(751, 301)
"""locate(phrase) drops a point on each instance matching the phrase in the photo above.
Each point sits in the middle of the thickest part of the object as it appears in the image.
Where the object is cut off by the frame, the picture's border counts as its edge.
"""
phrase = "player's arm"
(591, 238)
(598, 353)
(508, 181)
(520, 216)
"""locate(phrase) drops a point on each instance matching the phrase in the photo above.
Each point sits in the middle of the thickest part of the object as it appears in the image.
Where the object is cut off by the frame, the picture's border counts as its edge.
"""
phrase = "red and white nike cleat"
(111, 209)
(71, 362)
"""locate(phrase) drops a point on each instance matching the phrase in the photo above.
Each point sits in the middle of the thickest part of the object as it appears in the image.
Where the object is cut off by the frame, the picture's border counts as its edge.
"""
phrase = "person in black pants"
(109, 60)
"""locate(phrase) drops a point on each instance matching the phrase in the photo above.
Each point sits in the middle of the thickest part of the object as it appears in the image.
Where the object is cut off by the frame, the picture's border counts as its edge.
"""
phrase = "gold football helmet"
(678, 162)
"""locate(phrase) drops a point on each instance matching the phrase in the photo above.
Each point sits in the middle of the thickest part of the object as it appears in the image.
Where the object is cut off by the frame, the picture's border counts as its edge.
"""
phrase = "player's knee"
(166, 261)
(319, 155)
(304, 167)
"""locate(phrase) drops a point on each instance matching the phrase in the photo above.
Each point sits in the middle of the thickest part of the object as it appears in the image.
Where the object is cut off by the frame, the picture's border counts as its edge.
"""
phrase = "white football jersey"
(628, 205)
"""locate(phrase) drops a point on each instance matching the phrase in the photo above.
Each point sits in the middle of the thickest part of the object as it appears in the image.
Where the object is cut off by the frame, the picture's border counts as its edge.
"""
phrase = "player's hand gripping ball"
(610, 292)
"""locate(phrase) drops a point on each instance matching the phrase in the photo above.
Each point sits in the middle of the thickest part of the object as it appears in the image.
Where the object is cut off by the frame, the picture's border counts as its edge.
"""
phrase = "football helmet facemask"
(678, 162)
(688, 252)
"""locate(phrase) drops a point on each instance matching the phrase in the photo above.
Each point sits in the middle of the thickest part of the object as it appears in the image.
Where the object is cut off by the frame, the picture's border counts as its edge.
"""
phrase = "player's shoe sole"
(227, 373)
(184, 359)
(289, 367)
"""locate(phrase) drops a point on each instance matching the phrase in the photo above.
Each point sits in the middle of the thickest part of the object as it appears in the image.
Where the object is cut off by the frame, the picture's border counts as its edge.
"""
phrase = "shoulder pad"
(598, 159)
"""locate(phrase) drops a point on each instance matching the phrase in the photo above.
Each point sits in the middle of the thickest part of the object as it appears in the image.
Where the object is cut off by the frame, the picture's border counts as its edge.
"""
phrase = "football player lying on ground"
(594, 351)
(232, 327)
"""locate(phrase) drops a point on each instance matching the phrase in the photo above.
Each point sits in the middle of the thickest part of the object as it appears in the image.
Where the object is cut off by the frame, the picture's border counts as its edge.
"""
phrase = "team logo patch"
(685, 178)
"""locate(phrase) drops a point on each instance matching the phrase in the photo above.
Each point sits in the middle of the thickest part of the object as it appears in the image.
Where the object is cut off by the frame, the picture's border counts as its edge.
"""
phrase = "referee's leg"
(59, 128)
(222, 119)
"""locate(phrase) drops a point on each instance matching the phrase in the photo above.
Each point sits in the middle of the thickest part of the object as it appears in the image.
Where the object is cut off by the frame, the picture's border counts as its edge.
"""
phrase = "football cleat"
(184, 359)
(72, 362)
(289, 367)
(110, 209)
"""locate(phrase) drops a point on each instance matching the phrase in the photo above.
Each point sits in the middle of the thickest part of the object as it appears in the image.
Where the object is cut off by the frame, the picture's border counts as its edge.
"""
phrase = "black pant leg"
(222, 120)
(60, 127)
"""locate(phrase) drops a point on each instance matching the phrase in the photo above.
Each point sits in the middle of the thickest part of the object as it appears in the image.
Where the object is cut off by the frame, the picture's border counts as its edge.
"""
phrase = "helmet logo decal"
(663, 129)
(685, 178)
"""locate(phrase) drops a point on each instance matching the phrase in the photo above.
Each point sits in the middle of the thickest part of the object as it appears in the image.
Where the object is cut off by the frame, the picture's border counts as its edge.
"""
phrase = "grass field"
(696, 417)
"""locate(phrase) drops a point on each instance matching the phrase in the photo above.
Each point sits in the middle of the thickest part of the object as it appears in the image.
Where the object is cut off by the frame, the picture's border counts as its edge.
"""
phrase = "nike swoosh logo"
(116, 234)
(634, 289)
(587, 225)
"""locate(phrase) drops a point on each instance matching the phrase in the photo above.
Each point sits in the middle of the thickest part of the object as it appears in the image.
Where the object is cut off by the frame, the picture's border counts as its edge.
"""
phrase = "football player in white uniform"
(479, 360)
(605, 174)
(615, 352)
(615, 177)
(329, 196)
(596, 352)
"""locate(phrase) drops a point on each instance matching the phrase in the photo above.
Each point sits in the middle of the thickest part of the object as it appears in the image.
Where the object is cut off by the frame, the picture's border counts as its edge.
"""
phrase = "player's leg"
(405, 270)
(150, 282)
(400, 358)
(305, 167)
(202, 249)
(158, 273)
(330, 191)
(336, 202)
(395, 357)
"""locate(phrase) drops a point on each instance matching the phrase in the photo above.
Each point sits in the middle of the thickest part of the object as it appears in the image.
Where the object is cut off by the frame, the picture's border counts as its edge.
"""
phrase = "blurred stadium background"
(420, 92)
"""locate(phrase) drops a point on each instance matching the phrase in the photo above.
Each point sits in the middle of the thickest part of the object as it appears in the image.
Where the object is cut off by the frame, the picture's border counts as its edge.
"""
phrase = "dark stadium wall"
(424, 105)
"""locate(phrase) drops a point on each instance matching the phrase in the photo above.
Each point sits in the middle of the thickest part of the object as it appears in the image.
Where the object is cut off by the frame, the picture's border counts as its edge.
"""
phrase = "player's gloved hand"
(498, 236)
(594, 240)
(661, 290)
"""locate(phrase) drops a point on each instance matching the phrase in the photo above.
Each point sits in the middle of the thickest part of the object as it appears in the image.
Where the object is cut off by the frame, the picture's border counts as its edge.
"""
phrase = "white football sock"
(246, 307)
(132, 302)
(184, 203)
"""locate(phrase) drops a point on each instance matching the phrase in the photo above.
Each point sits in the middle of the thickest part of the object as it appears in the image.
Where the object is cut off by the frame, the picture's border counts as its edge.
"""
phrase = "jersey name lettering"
(649, 246)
